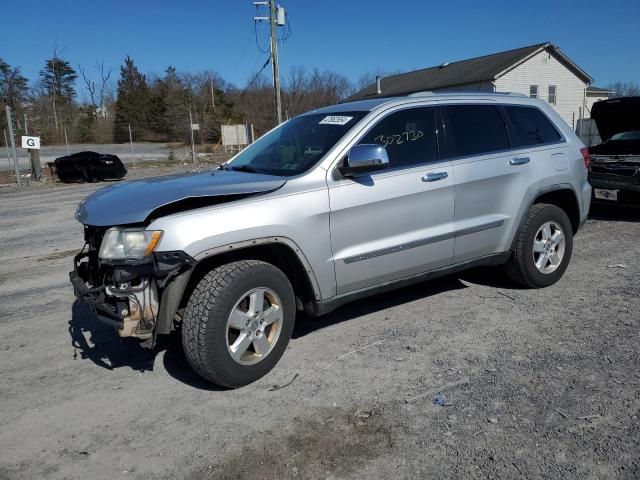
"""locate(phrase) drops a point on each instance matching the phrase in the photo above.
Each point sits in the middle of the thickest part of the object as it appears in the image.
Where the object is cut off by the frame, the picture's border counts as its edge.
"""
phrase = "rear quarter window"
(531, 126)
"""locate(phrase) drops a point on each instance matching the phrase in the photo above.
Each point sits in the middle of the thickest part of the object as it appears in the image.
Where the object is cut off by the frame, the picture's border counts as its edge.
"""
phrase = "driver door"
(398, 222)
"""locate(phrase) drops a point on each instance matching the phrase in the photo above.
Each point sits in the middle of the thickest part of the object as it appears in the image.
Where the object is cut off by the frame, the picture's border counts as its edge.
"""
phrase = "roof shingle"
(473, 70)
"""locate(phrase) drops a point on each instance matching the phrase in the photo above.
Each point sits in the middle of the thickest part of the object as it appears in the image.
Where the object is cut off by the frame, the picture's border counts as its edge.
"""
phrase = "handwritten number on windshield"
(399, 138)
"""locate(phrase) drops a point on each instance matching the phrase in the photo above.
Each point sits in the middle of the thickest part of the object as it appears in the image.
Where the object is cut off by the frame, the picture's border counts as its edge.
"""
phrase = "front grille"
(615, 170)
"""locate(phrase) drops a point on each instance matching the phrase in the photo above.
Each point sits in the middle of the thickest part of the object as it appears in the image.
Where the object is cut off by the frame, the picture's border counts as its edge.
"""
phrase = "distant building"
(595, 94)
(540, 71)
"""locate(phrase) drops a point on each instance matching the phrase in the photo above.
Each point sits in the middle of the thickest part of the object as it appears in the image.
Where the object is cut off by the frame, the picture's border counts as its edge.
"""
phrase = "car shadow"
(490, 277)
(103, 346)
(620, 213)
(393, 298)
(93, 340)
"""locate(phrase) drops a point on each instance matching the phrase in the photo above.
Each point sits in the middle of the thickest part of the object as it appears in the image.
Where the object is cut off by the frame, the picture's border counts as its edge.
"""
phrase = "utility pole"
(274, 58)
(13, 145)
(276, 18)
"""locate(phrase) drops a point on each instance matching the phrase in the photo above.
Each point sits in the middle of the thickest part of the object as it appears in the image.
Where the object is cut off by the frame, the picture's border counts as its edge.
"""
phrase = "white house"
(540, 71)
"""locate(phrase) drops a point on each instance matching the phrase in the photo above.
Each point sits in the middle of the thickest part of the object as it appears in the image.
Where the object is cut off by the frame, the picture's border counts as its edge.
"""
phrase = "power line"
(255, 29)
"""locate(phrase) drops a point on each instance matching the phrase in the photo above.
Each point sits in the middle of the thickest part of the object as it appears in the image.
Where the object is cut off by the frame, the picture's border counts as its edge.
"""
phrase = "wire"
(255, 28)
(253, 80)
(287, 33)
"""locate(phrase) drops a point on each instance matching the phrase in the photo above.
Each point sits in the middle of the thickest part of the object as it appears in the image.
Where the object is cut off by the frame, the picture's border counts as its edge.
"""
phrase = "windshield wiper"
(244, 168)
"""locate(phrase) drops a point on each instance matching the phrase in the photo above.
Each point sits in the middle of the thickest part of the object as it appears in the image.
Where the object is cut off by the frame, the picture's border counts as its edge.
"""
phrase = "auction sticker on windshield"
(335, 120)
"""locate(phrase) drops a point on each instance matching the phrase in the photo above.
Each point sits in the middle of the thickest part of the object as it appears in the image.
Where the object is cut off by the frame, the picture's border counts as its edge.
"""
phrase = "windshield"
(296, 145)
(632, 136)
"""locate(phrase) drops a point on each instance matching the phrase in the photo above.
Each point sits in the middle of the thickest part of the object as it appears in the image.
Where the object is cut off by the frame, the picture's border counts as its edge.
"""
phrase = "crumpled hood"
(616, 115)
(133, 201)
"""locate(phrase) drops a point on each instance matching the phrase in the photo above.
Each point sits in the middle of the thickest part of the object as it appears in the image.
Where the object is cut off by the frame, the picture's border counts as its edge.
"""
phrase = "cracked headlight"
(121, 244)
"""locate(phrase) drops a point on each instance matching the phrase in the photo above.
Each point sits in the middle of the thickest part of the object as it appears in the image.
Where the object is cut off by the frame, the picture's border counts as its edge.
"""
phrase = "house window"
(552, 94)
(533, 91)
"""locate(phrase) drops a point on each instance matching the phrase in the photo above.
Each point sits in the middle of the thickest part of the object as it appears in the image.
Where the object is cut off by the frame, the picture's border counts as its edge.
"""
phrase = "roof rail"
(428, 93)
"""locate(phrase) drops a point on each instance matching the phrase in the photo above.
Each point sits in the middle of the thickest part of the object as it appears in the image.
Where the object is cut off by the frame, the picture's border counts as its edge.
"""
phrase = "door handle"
(434, 177)
(519, 161)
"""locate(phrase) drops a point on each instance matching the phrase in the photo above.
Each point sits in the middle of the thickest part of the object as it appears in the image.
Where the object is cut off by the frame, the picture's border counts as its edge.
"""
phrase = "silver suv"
(333, 205)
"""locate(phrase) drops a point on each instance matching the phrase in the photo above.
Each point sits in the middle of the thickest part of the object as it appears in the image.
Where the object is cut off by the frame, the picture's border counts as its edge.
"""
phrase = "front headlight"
(121, 244)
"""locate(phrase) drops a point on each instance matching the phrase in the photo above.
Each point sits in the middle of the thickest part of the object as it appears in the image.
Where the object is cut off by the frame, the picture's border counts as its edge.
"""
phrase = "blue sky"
(350, 37)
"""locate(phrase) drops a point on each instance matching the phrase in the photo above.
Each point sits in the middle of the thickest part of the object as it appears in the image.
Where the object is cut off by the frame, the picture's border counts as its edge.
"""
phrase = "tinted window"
(475, 129)
(531, 125)
(408, 135)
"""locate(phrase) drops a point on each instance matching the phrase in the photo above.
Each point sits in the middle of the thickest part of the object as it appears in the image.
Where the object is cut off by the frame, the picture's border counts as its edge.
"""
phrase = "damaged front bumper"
(133, 297)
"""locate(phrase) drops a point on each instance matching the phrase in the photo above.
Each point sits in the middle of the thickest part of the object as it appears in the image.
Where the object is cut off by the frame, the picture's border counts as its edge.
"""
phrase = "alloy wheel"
(254, 326)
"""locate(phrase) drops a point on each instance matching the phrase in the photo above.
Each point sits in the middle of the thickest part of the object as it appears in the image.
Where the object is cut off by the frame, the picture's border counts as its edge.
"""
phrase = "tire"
(532, 242)
(210, 331)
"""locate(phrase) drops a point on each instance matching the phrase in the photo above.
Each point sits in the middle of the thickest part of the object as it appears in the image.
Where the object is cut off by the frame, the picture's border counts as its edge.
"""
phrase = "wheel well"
(566, 200)
(277, 254)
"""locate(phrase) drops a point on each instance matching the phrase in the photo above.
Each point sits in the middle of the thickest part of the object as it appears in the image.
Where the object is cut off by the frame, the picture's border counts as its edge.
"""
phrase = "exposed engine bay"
(614, 172)
(125, 294)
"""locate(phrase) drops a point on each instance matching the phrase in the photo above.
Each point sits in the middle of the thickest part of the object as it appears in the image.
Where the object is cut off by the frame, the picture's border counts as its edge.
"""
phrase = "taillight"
(585, 156)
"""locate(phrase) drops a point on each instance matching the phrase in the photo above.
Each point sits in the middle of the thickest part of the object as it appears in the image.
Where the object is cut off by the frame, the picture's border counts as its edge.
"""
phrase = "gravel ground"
(542, 384)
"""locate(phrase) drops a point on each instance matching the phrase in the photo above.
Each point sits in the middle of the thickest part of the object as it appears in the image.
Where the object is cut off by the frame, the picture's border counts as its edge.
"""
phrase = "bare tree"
(304, 90)
(624, 89)
(98, 91)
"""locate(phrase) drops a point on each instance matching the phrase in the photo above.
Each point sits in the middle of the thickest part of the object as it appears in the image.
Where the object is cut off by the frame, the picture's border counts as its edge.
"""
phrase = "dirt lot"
(552, 391)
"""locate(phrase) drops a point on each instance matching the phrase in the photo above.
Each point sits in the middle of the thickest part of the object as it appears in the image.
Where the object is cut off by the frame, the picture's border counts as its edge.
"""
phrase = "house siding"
(543, 69)
(591, 99)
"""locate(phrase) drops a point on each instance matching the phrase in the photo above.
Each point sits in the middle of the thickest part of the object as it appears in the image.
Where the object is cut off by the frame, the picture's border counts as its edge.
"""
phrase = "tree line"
(159, 108)
(155, 107)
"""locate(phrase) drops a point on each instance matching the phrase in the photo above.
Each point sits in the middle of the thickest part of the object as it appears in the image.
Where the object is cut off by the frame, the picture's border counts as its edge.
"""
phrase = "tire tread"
(210, 291)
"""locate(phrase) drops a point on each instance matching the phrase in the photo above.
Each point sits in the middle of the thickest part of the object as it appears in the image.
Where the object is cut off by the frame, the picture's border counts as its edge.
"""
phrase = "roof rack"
(430, 93)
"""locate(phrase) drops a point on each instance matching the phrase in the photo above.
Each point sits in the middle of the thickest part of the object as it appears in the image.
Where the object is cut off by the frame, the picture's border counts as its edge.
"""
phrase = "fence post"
(13, 145)
(66, 142)
(193, 147)
(6, 144)
(133, 158)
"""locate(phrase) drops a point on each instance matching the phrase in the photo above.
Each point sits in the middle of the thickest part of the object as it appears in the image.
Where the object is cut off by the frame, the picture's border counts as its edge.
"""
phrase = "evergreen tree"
(58, 79)
(132, 104)
(13, 90)
(13, 86)
(172, 106)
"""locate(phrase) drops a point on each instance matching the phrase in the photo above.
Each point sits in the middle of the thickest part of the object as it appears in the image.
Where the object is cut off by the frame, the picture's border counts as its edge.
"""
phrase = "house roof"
(598, 91)
(479, 69)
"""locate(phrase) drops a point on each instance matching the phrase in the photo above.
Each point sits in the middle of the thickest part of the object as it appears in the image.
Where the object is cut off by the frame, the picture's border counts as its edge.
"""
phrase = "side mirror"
(364, 158)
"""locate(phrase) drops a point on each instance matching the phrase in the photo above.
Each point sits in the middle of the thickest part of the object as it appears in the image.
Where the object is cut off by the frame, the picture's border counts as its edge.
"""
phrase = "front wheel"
(543, 247)
(238, 322)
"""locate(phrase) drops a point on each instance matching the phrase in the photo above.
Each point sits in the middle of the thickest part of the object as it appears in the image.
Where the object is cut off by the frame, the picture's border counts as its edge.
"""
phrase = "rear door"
(549, 150)
(398, 222)
(492, 177)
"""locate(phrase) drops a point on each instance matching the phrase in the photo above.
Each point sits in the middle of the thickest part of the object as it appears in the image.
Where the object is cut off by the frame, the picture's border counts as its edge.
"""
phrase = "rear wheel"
(238, 322)
(543, 247)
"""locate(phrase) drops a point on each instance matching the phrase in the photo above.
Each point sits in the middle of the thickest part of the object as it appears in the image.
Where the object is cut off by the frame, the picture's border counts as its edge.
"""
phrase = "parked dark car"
(89, 167)
(615, 163)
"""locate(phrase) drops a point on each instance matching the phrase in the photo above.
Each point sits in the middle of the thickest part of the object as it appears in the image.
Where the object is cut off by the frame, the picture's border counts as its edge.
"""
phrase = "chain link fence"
(196, 151)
